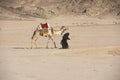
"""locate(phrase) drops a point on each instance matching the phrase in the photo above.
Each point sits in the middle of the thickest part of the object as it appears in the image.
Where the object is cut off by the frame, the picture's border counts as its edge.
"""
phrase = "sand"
(94, 52)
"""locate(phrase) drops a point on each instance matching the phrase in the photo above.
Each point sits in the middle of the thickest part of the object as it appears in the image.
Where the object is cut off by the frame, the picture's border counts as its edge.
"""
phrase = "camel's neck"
(59, 32)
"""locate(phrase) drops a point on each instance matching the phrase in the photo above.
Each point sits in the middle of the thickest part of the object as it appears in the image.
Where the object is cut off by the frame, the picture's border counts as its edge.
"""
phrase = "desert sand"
(94, 52)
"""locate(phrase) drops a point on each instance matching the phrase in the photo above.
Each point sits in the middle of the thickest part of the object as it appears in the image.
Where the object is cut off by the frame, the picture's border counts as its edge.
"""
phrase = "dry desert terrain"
(94, 52)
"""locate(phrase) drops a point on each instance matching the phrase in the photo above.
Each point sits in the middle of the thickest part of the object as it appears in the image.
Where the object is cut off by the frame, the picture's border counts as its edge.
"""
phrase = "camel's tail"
(52, 31)
(33, 34)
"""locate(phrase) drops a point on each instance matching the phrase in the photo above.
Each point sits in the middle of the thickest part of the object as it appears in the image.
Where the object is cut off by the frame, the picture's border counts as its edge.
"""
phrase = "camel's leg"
(34, 39)
(53, 42)
(33, 43)
(47, 42)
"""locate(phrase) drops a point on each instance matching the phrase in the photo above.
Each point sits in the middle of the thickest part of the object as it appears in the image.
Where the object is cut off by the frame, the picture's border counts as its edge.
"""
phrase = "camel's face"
(63, 29)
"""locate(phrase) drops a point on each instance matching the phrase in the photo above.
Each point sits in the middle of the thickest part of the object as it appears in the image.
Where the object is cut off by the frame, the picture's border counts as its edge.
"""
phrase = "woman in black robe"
(64, 42)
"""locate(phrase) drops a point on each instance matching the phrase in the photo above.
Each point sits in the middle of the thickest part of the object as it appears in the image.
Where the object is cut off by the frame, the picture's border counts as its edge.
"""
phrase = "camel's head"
(63, 29)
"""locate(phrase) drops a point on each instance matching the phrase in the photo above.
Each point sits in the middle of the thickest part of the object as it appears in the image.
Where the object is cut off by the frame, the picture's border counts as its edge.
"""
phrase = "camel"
(51, 32)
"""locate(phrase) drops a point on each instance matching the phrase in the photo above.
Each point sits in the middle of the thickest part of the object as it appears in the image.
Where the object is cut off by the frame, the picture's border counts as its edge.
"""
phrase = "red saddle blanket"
(44, 25)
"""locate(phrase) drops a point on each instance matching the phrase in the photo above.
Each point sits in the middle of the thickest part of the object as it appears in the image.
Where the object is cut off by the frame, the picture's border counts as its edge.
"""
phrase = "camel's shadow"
(33, 48)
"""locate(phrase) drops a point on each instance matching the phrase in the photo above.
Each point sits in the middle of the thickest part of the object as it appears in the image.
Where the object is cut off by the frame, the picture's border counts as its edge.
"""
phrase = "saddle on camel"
(44, 28)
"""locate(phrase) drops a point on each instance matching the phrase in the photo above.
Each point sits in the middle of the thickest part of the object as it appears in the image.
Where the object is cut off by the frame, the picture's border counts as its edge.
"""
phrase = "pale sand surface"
(94, 52)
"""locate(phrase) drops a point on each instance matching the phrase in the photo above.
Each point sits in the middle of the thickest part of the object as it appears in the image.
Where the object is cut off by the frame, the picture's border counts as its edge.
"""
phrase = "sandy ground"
(94, 52)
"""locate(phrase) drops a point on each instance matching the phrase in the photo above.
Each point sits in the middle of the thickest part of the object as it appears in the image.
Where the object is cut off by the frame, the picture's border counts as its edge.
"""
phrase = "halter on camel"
(46, 32)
